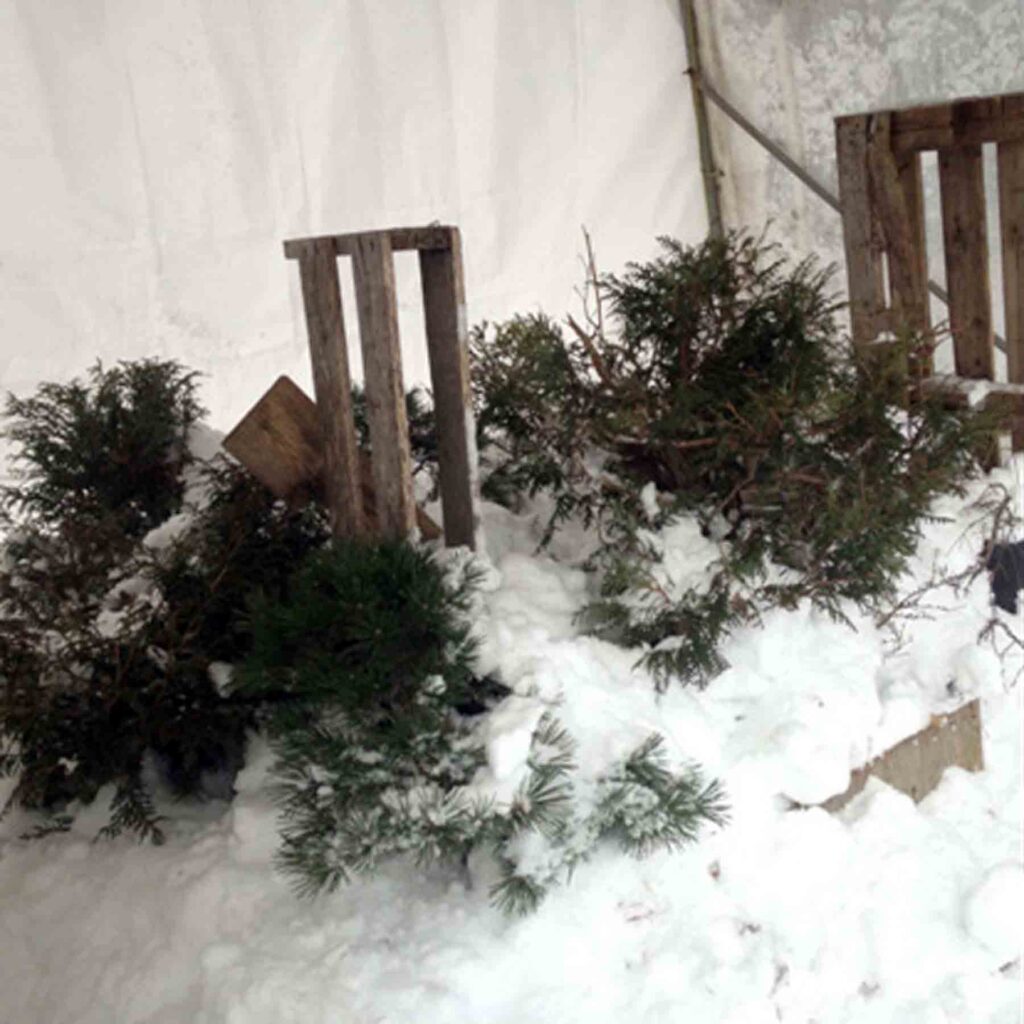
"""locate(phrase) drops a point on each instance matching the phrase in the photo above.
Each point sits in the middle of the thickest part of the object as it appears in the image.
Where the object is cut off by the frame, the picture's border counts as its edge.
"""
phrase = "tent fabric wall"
(155, 153)
(792, 66)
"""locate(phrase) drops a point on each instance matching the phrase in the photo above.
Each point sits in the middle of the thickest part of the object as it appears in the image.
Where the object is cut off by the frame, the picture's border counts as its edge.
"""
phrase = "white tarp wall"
(791, 66)
(155, 153)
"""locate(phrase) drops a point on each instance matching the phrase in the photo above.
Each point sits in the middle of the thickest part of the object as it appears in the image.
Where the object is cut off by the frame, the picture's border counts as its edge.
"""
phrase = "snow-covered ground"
(887, 912)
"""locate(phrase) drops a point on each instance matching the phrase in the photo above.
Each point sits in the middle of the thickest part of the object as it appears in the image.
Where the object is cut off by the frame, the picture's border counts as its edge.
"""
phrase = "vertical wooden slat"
(321, 295)
(962, 187)
(1011, 220)
(444, 305)
(374, 272)
(860, 231)
(896, 195)
(915, 305)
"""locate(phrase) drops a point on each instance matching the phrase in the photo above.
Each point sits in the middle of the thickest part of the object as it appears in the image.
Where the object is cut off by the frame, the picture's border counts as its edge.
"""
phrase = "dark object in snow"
(1005, 564)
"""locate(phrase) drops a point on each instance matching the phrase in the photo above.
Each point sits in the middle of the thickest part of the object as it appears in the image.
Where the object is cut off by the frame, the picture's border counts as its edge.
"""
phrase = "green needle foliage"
(106, 642)
(378, 724)
(110, 447)
(718, 373)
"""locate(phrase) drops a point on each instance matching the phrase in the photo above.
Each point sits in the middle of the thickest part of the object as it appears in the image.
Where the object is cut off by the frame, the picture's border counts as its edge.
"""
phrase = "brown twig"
(595, 356)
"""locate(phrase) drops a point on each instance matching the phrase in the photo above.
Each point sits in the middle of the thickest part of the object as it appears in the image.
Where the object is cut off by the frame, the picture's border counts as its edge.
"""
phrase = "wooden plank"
(897, 196)
(1011, 221)
(914, 302)
(430, 237)
(861, 236)
(915, 766)
(374, 272)
(969, 121)
(444, 304)
(321, 295)
(962, 188)
(279, 439)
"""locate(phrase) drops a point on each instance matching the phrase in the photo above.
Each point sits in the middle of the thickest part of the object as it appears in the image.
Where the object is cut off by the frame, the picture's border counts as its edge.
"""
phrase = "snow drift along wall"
(154, 154)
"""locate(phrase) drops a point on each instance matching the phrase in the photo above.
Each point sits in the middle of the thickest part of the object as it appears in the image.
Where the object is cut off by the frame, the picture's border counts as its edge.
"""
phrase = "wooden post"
(962, 188)
(861, 234)
(444, 305)
(896, 193)
(374, 272)
(1011, 220)
(321, 295)
(700, 112)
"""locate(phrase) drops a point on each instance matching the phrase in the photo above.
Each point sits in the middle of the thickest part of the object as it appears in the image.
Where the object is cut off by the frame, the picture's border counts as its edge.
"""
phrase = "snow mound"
(994, 912)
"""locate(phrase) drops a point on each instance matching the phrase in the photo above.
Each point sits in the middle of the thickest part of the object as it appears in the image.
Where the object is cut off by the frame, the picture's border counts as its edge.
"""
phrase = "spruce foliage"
(377, 722)
(718, 373)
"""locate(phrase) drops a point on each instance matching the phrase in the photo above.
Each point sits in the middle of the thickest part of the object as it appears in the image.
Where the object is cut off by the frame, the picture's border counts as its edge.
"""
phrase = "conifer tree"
(719, 374)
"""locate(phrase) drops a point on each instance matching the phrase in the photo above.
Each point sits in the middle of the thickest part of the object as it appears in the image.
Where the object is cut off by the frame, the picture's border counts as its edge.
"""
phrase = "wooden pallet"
(882, 202)
(440, 258)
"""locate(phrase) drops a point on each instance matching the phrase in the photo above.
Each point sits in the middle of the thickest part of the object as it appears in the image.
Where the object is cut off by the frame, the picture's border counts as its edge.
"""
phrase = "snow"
(887, 911)
(994, 912)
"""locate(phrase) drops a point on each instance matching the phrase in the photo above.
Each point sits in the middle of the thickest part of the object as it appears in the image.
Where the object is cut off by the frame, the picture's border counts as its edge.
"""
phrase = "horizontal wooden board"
(963, 122)
(915, 766)
(430, 237)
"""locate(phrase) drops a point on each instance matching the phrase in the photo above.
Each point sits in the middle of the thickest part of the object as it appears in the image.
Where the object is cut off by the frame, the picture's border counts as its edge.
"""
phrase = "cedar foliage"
(719, 373)
(106, 642)
(376, 723)
(111, 447)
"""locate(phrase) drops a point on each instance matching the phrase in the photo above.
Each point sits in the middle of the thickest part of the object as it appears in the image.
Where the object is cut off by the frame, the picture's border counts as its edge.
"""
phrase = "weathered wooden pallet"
(882, 202)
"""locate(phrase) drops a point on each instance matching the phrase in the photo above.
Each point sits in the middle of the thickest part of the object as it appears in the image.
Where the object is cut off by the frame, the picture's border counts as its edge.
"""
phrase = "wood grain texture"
(916, 765)
(374, 273)
(897, 198)
(321, 295)
(962, 188)
(279, 442)
(970, 121)
(1011, 221)
(444, 305)
(861, 233)
(279, 439)
(430, 237)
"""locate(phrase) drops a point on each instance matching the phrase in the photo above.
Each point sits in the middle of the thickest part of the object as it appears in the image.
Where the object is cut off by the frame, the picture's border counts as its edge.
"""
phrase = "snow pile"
(888, 911)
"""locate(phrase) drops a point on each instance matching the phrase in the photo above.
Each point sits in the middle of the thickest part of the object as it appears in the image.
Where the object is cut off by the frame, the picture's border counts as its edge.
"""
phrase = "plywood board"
(915, 765)
(278, 441)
